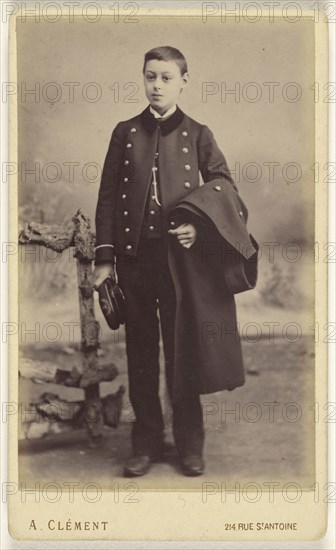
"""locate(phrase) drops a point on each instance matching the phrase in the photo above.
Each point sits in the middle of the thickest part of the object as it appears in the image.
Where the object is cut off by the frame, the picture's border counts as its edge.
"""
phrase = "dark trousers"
(148, 288)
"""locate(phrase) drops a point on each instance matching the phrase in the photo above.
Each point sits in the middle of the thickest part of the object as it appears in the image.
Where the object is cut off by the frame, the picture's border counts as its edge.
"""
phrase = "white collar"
(166, 114)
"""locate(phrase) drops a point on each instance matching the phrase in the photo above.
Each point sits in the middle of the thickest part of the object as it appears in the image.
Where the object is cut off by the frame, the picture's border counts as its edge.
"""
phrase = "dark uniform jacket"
(186, 148)
(223, 259)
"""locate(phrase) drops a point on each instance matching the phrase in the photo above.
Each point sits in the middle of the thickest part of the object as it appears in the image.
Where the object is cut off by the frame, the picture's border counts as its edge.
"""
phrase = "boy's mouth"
(157, 95)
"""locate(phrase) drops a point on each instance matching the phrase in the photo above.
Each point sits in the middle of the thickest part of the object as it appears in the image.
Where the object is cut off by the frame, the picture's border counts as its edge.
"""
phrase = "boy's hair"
(167, 53)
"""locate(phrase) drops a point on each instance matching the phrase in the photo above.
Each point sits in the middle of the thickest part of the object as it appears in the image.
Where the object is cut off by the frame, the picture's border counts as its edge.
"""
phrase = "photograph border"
(190, 511)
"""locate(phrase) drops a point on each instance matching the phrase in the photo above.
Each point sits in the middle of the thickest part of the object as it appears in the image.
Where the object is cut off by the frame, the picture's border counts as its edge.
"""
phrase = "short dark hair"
(167, 53)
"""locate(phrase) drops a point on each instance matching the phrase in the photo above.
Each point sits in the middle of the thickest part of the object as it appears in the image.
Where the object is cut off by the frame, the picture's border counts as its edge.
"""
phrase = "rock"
(253, 371)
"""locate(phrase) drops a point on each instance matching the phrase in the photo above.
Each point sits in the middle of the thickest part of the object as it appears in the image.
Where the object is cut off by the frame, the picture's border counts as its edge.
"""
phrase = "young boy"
(147, 229)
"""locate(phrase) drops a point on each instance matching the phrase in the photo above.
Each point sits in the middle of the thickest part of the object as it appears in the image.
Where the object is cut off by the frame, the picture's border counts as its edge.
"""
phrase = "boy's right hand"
(100, 272)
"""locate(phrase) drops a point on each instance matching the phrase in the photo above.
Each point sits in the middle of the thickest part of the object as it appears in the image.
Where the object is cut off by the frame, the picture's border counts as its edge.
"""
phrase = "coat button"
(128, 247)
(218, 188)
(172, 224)
(151, 228)
(129, 145)
(152, 212)
(127, 229)
(240, 213)
(184, 133)
(153, 197)
(187, 167)
(185, 149)
(125, 213)
(186, 184)
(126, 162)
(125, 180)
(123, 196)
(133, 130)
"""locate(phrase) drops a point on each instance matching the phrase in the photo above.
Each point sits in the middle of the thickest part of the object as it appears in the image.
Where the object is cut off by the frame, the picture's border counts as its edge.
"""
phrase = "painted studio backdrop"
(253, 85)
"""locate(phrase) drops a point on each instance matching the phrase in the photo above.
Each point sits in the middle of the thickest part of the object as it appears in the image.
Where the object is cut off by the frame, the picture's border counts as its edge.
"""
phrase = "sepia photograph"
(169, 251)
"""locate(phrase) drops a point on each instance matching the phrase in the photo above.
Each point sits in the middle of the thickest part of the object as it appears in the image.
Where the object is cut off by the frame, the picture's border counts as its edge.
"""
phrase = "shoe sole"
(131, 473)
(192, 474)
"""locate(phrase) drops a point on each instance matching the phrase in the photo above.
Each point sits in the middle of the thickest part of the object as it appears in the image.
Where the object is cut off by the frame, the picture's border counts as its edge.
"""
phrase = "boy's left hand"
(186, 234)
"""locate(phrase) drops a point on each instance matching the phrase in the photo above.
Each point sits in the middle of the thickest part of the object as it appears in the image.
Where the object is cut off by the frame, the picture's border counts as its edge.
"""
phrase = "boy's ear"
(185, 80)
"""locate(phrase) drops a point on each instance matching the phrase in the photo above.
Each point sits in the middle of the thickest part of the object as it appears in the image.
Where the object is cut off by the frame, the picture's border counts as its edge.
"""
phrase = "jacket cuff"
(104, 253)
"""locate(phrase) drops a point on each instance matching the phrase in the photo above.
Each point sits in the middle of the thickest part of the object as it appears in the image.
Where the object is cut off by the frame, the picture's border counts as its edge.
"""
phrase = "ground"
(261, 432)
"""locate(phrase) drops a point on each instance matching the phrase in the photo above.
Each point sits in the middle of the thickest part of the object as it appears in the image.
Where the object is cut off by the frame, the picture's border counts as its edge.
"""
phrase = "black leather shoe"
(192, 465)
(137, 466)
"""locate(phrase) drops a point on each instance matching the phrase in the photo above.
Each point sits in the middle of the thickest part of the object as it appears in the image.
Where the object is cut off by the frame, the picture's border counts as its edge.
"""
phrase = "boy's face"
(163, 84)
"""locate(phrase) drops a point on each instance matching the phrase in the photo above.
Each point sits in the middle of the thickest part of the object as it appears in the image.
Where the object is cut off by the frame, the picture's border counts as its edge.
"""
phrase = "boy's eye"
(151, 77)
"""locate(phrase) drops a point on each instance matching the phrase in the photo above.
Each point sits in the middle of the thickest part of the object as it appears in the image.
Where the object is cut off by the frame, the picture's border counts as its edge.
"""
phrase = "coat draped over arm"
(223, 261)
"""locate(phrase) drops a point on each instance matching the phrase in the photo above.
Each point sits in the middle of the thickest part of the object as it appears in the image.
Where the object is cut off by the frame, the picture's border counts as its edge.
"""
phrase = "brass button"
(125, 213)
(123, 196)
(240, 213)
(184, 133)
(125, 180)
(133, 130)
(187, 184)
(151, 228)
(156, 155)
(127, 229)
(152, 212)
(185, 149)
(129, 145)
(218, 188)
(126, 162)
(172, 223)
(187, 167)
(153, 197)
(129, 247)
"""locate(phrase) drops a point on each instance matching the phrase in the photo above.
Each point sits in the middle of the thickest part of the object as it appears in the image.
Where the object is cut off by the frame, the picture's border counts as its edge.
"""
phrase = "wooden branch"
(84, 239)
(39, 372)
(56, 237)
(89, 326)
(42, 372)
(75, 232)
(103, 373)
(55, 415)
